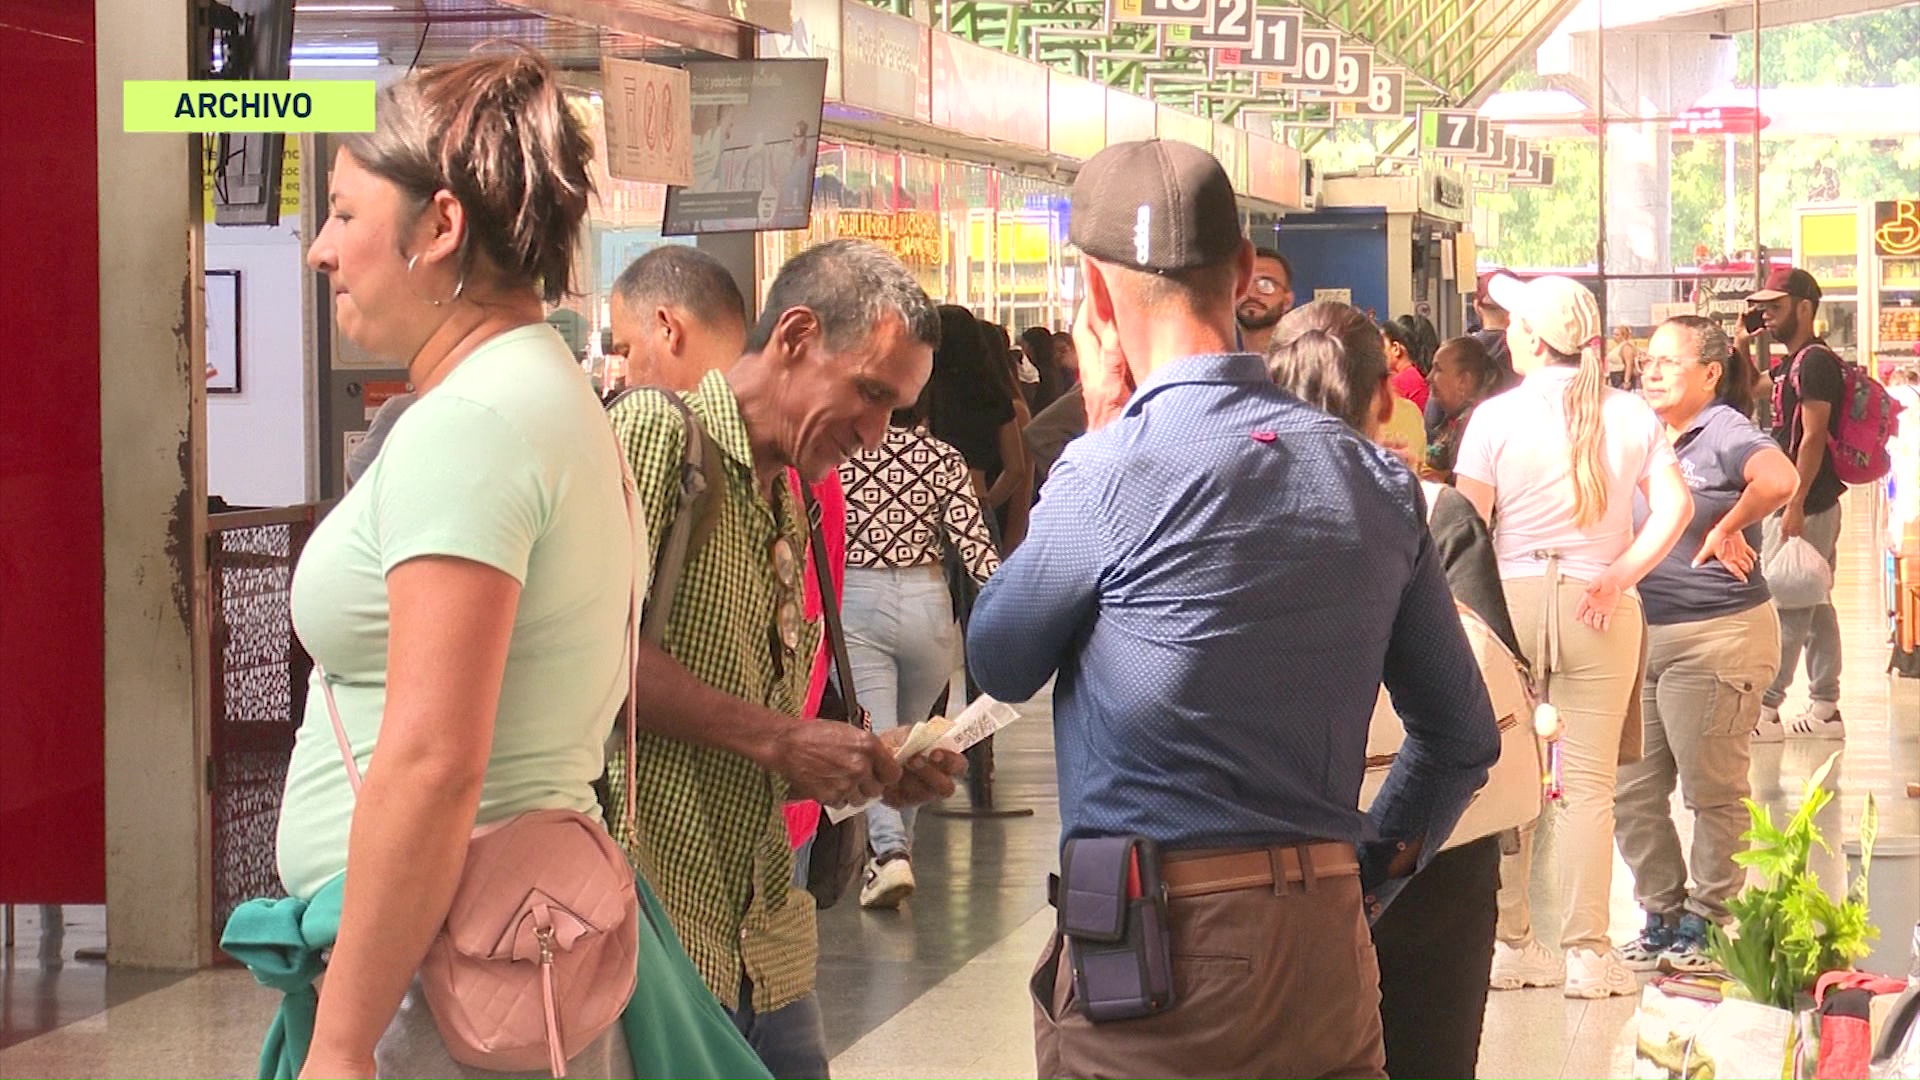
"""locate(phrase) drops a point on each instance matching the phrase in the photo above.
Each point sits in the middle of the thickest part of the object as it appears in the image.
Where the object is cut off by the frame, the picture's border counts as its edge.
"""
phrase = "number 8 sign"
(1387, 96)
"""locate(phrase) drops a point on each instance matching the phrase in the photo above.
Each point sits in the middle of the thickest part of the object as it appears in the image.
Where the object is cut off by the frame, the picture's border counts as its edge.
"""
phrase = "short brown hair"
(495, 131)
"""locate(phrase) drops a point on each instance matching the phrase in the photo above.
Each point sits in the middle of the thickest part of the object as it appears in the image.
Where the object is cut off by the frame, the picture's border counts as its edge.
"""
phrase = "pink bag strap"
(628, 489)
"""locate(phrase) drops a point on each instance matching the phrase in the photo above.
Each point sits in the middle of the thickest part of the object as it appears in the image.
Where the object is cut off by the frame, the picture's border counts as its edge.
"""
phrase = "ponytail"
(1586, 437)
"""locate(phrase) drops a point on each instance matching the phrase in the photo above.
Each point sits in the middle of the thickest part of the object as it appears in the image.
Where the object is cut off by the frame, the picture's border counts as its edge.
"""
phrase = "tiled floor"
(938, 989)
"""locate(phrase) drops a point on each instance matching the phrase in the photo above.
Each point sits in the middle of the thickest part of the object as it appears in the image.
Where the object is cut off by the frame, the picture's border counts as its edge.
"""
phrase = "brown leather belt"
(1202, 873)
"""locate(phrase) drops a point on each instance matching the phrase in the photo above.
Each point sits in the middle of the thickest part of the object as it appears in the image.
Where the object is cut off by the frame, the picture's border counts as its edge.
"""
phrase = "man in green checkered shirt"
(847, 336)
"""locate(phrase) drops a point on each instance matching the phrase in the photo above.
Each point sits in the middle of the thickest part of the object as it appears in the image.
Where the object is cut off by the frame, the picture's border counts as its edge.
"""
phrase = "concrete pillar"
(1648, 75)
(153, 447)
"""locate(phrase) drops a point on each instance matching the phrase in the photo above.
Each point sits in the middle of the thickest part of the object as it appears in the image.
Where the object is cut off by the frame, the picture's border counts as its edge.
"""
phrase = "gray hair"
(1710, 342)
(851, 286)
(678, 276)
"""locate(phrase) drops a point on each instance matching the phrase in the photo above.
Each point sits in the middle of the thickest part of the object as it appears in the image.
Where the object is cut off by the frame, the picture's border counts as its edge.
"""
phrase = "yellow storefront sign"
(289, 177)
(1830, 234)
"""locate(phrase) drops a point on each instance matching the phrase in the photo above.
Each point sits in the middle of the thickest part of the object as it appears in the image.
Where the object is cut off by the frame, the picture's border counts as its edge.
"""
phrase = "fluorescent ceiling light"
(352, 62)
(325, 49)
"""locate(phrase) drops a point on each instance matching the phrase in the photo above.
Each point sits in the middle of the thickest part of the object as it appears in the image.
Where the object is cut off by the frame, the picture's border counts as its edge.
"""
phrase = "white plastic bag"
(1797, 576)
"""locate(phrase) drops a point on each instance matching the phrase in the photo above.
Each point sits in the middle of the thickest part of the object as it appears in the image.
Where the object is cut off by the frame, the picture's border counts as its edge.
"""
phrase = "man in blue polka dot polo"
(1221, 577)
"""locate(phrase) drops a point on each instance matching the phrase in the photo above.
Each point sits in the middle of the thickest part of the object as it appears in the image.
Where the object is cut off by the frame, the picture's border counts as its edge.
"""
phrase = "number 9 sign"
(1352, 76)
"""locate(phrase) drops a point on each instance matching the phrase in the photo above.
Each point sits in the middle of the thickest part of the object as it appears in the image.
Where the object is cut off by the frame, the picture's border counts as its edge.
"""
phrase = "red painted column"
(52, 679)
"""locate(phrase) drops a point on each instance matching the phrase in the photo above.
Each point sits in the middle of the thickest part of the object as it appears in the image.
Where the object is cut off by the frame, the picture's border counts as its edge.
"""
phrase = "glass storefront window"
(972, 234)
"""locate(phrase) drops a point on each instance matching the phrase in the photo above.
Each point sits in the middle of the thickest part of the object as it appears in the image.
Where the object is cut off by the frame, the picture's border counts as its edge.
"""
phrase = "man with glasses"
(1220, 575)
(1267, 300)
(847, 336)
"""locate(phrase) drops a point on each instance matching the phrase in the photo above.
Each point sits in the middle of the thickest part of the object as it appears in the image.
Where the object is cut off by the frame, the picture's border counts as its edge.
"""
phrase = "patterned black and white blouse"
(907, 500)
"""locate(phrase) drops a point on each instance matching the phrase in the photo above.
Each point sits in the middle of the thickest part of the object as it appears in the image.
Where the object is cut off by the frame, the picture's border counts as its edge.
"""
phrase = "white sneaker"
(1769, 729)
(1593, 974)
(1532, 964)
(1809, 725)
(888, 883)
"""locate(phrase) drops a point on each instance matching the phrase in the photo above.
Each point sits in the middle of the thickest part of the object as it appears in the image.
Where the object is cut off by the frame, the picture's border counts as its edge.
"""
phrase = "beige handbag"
(538, 955)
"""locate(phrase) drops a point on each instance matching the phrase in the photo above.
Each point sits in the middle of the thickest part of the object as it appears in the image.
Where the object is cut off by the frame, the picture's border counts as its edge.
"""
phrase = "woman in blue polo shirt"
(1713, 646)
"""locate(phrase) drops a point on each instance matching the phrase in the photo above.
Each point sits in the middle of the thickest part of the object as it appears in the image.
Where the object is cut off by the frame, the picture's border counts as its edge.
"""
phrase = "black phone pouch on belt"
(1113, 912)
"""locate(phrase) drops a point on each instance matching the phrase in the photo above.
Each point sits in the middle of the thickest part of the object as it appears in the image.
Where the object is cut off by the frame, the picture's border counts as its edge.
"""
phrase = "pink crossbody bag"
(537, 958)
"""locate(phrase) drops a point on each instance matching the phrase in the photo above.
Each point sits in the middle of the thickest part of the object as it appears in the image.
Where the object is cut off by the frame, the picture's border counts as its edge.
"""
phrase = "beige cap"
(1561, 310)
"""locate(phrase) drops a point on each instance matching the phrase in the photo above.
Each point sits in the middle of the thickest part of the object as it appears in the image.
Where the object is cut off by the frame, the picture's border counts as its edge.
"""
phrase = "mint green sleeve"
(457, 480)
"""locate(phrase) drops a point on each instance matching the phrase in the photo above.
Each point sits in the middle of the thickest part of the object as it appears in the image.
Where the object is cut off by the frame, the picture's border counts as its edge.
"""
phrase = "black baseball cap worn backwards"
(1157, 206)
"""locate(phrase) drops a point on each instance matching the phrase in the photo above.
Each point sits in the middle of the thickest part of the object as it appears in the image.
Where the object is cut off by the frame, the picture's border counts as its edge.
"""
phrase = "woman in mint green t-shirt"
(468, 598)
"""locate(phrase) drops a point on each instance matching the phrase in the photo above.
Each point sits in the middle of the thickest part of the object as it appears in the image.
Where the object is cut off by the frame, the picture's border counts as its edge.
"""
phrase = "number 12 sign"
(1230, 24)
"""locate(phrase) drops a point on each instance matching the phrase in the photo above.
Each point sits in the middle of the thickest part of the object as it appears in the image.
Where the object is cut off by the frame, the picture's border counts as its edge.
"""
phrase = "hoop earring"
(458, 286)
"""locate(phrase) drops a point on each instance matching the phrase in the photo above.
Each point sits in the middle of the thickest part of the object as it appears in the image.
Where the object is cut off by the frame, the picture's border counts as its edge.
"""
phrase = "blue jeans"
(791, 1041)
(903, 645)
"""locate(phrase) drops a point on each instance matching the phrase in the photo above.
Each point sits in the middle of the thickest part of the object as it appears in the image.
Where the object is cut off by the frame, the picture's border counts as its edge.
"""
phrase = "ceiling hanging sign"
(1721, 120)
(1319, 61)
(815, 36)
(649, 112)
(1539, 171)
(1179, 12)
(1352, 75)
(884, 62)
(988, 93)
(1448, 132)
(1230, 24)
(1386, 95)
(1275, 47)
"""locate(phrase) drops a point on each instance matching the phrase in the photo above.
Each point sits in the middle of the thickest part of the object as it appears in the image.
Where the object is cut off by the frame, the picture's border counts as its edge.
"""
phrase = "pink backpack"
(1869, 419)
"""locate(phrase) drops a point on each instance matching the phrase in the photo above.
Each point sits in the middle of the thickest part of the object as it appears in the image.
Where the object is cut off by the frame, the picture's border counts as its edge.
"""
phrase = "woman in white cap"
(1553, 465)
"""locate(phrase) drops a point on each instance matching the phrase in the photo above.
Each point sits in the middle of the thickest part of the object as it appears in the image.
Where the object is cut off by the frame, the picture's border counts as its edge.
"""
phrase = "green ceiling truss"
(1454, 50)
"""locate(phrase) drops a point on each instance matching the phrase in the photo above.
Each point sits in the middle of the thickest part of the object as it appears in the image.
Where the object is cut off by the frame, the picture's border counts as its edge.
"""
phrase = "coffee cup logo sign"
(1896, 228)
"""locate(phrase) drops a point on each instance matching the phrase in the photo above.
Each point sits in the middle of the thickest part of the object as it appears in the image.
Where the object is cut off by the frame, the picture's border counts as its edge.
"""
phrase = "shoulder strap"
(830, 609)
(698, 502)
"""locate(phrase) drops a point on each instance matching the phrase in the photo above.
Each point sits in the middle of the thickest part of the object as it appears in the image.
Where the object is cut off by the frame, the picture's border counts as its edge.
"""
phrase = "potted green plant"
(1787, 931)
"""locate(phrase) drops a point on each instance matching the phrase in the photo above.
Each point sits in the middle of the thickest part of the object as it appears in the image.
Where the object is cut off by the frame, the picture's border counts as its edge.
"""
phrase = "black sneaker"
(1644, 952)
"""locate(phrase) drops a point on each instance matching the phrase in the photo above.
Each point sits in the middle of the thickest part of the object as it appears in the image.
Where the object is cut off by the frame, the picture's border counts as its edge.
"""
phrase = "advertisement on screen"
(756, 134)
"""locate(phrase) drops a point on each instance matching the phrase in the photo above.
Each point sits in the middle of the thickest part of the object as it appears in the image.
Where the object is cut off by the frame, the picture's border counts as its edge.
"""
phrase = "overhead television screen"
(756, 134)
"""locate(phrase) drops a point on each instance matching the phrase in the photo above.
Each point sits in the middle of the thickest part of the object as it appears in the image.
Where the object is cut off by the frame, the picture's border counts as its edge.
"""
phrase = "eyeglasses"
(1673, 363)
(1266, 286)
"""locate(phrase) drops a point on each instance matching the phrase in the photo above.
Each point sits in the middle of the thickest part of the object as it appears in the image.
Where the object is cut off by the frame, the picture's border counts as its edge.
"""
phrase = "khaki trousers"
(1699, 704)
(1593, 689)
(1266, 983)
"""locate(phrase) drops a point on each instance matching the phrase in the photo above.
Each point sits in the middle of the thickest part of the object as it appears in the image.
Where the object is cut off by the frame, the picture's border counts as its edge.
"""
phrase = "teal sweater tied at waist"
(674, 1025)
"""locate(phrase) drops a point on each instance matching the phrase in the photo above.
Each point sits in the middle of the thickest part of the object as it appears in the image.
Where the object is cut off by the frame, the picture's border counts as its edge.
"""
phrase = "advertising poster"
(756, 133)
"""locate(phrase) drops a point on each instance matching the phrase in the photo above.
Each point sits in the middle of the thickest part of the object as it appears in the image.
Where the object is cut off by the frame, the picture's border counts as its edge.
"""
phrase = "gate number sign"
(1453, 132)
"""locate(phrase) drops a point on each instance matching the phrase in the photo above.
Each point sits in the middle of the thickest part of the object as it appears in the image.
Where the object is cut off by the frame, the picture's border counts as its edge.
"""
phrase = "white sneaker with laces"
(1593, 974)
(888, 883)
(1531, 964)
(1769, 729)
(1811, 725)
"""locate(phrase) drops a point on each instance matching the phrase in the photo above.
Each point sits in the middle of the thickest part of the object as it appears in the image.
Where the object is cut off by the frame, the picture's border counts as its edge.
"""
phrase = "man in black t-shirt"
(1808, 385)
